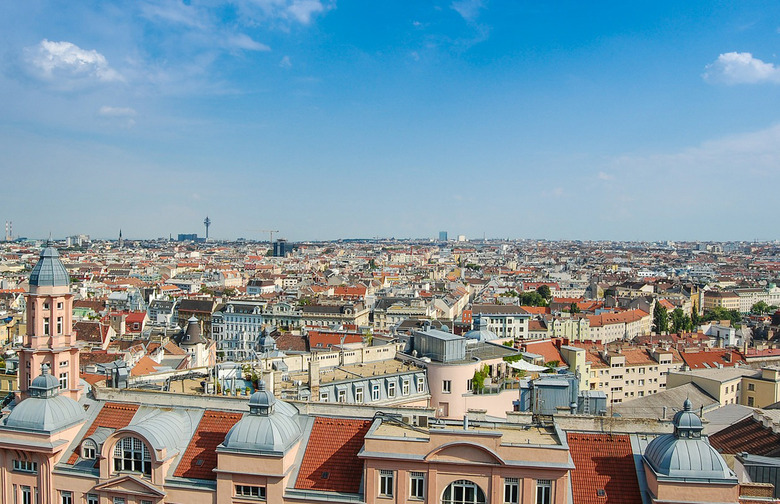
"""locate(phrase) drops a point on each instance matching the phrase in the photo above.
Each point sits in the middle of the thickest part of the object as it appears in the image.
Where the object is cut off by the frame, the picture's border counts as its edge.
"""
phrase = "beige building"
(723, 384)
(761, 389)
(720, 299)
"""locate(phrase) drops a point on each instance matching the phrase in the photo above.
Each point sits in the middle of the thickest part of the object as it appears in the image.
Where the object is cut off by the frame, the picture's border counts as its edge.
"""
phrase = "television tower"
(207, 223)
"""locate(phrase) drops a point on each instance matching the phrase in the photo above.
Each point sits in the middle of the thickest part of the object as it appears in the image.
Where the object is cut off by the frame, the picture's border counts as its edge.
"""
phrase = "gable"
(464, 453)
(130, 485)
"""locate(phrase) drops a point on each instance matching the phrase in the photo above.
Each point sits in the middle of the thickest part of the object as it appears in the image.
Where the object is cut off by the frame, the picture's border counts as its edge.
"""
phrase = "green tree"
(759, 308)
(660, 319)
(574, 308)
(680, 321)
(544, 291)
(719, 313)
(532, 299)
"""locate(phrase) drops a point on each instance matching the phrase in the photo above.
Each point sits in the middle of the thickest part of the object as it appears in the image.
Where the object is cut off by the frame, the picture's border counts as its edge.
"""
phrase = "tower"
(120, 238)
(207, 223)
(50, 338)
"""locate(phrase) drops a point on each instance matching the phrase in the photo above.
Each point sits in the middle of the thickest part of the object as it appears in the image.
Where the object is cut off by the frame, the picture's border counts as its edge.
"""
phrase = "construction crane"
(269, 231)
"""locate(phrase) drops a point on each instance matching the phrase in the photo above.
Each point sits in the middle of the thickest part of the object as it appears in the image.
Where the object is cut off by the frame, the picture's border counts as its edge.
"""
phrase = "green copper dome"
(49, 271)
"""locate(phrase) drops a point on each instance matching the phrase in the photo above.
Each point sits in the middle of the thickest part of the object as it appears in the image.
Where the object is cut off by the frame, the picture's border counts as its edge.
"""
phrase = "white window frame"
(66, 497)
(64, 381)
(511, 491)
(250, 492)
(405, 387)
(375, 392)
(342, 396)
(386, 482)
(359, 395)
(417, 485)
(543, 492)
(446, 386)
(391, 389)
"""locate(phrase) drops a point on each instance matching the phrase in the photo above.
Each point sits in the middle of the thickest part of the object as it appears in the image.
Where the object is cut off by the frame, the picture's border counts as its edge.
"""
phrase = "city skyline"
(329, 120)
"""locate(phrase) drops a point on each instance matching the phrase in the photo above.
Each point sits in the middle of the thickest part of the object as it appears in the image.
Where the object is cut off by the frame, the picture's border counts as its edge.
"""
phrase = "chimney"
(664, 417)
(465, 422)
(314, 378)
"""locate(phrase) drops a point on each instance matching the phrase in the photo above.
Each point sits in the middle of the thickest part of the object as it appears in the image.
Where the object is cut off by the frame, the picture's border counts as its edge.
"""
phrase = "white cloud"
(605, 176)
(107, 111)
(243, 41)
(741, 68)
(301, 11)
(285, 62)
(64, 62)
(468, 9)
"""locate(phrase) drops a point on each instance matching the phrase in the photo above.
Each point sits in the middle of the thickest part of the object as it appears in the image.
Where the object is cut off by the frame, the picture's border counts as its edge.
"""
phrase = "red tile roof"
(200, 457)
(711, 359)
(330, 462)
(112, 416)
(603, 462)
(749, 436)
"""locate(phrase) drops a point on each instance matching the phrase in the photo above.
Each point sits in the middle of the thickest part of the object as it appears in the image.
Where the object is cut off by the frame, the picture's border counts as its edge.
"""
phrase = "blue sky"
(334, 119)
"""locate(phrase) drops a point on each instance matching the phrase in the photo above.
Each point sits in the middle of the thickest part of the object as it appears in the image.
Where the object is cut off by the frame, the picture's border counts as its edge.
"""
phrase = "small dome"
(264, 429)
(49, 271)
(685, 454)
(192, 334)
(45, 410)
(482, 333)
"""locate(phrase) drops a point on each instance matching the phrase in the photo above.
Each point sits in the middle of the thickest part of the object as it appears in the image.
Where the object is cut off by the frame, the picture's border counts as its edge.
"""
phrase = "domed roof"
(45, 410)
(685, 454)
(264, 429)
(168, 429)
(482, 333)
(192, 334)
(49, 271)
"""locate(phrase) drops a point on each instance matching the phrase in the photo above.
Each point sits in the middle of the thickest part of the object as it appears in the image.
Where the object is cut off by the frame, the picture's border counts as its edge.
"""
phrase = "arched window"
(131, 454)
(463, 492)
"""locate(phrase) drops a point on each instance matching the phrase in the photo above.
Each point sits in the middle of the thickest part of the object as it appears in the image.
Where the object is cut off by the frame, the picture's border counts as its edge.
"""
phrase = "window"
(391, 389)
(375, 392)
(25, 466)
(64, 381)
(59, 305)
(420, 384)
(131, 454)
(463, 492)
(342, 396)
(92, 499)
(26, 495)
(511, 491)
(417, 485)
(543, 491)
(46, 305)
(359, 395)
(45, 325)
(88, 450)
(254, 492)
(446, 386)
(59, 325)
(323, 395)
(386, 483)
(64, 363)
(750, 401)
(146, 502)
(751, 386)
(66, 497)
(405, 387)
(119, 500)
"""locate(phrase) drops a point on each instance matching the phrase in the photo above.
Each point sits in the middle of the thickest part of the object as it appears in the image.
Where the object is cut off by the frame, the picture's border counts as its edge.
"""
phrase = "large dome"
(270, 425)
(685, 453)
(49, 271)
(482, 333)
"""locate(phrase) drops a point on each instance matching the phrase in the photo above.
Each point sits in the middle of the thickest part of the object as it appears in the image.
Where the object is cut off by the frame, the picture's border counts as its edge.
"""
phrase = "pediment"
(465, 453)
(129, 484)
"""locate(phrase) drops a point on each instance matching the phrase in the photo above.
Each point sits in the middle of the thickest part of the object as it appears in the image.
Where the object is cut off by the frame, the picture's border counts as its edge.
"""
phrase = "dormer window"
(88, 449)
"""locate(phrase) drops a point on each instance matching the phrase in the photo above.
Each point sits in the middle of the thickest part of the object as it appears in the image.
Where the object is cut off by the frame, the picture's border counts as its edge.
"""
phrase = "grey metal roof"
(169, 429)
(45, 414)
(270, 426)
(686, 454)
(49, 271)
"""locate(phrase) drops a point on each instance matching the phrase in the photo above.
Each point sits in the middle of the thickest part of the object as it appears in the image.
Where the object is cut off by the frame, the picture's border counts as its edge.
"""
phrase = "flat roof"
(511, 434)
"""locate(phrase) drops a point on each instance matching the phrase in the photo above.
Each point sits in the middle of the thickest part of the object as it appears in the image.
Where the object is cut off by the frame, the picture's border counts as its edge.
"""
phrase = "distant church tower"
(50, 338)
(120, 238)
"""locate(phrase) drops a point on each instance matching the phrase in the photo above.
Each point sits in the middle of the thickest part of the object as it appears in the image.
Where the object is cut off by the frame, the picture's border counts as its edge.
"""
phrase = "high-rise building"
(443, 236)
(280, 248)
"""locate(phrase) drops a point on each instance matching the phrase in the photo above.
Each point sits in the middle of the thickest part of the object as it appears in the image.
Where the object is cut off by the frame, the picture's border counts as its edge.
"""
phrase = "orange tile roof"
(144, 366)
(112, 416)
(546, 349)
(200, 457)
(330, 462)
(603, 462)
(710, 359)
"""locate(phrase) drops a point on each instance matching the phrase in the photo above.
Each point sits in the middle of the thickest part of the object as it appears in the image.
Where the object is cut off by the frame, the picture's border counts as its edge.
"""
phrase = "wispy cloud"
(284, 11)
(285, 62)
(245, 42)
(741, 68)
(66, 65)
(468, 9)
(605, 176)
(107, 111)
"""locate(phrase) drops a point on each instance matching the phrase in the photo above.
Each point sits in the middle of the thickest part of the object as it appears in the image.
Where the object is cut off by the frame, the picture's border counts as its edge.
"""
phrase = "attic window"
(601, 493)
(199, 462)
(325, 475)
